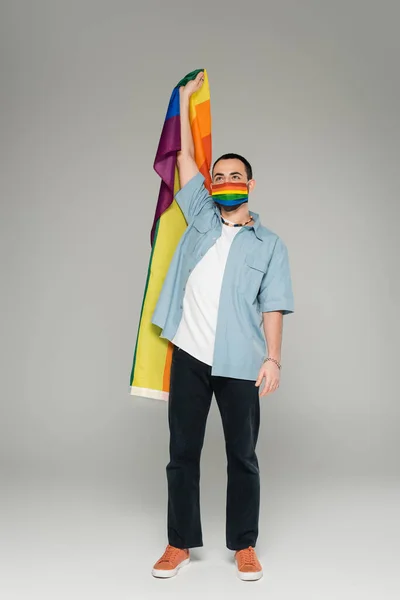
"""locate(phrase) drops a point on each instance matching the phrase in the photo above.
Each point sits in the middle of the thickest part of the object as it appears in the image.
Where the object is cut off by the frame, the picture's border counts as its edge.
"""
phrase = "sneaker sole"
(164, 573)
(249, 576)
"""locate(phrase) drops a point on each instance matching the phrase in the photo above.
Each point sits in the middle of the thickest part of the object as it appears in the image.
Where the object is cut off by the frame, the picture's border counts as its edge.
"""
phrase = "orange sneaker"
(247, 564)
(171, 561)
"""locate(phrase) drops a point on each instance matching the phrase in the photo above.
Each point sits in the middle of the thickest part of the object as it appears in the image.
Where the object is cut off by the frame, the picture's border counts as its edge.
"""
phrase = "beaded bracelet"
(273, 360)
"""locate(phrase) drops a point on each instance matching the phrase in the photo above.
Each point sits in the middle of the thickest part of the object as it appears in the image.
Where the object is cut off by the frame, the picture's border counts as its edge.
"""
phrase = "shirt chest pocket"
(193, 242)
(254, 269)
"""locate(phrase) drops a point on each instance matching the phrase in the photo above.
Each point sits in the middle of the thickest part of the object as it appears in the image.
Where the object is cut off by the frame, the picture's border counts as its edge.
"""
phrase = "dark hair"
(229, 156)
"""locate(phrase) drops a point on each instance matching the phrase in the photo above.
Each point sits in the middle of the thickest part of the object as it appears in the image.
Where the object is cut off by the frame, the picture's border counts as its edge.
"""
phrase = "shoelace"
(170, 554)
(248, 556)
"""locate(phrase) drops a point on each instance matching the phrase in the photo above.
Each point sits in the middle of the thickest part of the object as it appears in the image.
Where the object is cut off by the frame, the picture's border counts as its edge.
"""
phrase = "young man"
(228, 277)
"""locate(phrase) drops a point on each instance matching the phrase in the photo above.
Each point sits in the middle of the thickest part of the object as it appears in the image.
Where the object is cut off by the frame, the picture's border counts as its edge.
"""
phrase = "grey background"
(309, 92)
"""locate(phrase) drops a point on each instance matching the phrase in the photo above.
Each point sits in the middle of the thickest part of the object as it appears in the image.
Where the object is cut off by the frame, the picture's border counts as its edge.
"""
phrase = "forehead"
(229, 165)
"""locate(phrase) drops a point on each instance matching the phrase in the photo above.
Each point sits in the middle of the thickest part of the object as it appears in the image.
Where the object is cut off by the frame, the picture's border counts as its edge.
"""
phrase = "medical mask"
(230, 195)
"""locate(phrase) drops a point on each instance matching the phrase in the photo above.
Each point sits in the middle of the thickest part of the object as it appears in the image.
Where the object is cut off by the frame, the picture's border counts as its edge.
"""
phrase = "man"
(228, 277)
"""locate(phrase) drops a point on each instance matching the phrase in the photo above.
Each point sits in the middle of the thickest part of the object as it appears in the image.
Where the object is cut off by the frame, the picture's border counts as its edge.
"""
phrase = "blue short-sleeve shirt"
(256, 280)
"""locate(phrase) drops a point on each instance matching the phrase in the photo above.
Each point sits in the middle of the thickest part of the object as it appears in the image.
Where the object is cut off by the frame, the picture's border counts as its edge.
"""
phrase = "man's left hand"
(271, 372)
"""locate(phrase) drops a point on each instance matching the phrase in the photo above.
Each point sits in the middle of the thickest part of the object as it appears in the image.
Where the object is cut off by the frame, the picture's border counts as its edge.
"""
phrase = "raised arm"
(186, 164)
(193, 196)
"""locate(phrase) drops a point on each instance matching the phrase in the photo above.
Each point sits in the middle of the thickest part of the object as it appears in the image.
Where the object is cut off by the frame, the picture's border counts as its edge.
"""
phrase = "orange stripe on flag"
(207, 149)
(204, 116)
(204, 170)
(167, 368)
(199, 153)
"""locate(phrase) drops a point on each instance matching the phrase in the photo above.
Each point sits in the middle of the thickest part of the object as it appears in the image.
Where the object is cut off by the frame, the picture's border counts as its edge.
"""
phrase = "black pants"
(191, 390)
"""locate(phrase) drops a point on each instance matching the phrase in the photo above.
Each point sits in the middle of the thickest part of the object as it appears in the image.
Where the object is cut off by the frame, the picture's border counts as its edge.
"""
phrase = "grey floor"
(319, 539)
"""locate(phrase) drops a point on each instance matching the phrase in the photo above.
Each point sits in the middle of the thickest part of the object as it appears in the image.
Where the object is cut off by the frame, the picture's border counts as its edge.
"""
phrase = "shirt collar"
(257, 225)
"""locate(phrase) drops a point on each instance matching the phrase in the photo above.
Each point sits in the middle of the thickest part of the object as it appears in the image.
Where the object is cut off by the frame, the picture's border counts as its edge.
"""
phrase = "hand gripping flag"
(150, 374)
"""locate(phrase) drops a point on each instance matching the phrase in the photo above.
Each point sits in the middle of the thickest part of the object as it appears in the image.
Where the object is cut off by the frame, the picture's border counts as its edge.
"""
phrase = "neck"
(239, 215)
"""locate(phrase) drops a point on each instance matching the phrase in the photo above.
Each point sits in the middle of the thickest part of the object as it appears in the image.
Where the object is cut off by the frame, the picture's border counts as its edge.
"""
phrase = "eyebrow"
(233, 173)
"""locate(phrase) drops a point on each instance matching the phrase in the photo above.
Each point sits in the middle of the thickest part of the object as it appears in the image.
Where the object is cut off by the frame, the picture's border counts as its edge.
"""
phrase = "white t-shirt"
(196, 331)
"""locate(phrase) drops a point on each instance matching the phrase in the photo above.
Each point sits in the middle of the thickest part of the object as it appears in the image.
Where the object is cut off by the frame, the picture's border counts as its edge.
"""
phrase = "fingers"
(261, 376)
(193, 85)
(200, 79)
(272, 378)
(270, 386)
(266, 388)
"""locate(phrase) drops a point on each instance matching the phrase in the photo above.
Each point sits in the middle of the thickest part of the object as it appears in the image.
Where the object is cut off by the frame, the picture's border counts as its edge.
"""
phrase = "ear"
(252, 184)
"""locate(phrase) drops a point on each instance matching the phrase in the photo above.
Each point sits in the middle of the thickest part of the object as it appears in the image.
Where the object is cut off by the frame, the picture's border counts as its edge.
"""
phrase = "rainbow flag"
(150, 374)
